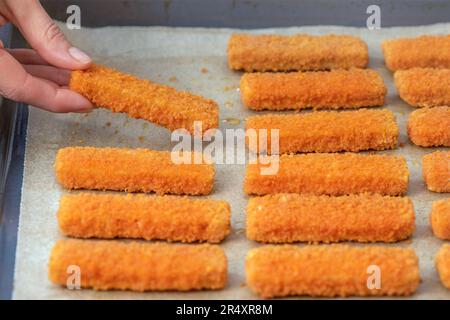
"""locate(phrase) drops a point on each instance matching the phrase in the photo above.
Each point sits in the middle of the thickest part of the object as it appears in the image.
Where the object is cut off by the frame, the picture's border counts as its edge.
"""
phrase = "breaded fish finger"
(90, 215)
(430, 127)
(424, 87)
(285, 218)
(330, 271)
(422, 52)
(331, 174)
(443, 264)
(436, 171)
(326, 131)
(336, 89)
(106, 265)
(440, 218)
(143, 99)
(132, 170)
(296, 52)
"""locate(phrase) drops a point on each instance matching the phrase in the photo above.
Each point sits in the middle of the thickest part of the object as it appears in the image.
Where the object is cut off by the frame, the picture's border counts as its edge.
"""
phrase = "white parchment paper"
(194, 60)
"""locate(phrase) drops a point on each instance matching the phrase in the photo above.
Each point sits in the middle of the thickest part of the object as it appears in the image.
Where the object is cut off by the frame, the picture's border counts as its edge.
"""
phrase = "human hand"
(40, 76)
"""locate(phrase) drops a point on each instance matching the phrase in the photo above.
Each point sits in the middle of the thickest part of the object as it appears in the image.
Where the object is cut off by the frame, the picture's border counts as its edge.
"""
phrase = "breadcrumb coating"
(331, 271)
(106, 265)
(424, 87)
(327, 131)
(329, 174)
(296, 52)
(443, 264)
(89, 215)
(421, 52)
(286, 218)
(440, 218)
(436, 171)
(430, 127)
(336, 89)
(143, 99)
(131, 170)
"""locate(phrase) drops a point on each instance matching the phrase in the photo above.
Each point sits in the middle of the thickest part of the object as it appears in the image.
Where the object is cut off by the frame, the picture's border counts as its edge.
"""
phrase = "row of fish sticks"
(337, 197)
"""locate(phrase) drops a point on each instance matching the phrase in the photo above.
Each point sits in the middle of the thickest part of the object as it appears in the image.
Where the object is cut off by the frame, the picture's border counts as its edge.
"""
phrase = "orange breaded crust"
(132, 170)
(286, 218)
(336, 89)
(330, 174)
(172, 218)
(422, 52)
(296, 52)
(330, 271)
(430, 127)
(143, 99)
(440, 218)
(326, 131)
(443, 264)
(424, 87)
(106, 265)
(436, 171)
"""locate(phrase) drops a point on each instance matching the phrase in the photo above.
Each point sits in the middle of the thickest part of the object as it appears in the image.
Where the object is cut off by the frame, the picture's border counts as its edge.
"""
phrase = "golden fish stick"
(327, 131)
(443, 265)
(440, 218)
(89, 215)
(296, 52)
(143, 99)
(424, 87)
(329, 174)
(132, 170)
(429, 127)
(336, 89)
(285, 218)
(422, 52)
(436, 171)
(330, 271)
(107, 265)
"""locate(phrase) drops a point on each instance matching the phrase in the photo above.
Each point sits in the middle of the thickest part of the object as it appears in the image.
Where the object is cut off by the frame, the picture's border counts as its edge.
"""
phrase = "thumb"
(44, 35)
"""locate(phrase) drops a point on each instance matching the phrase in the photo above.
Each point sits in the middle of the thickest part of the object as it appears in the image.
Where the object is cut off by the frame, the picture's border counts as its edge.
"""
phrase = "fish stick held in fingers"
(90, 215)
(285, 218)
(330, 174)
(132, 170)
(436, 171)
(331, 271)
(327, 131)
(422, 52)
(107, 265)
(336, 89)
(143, 99)
(424, 87)
(430, 127)
(440, 218)
(296, 52)
(443, 265)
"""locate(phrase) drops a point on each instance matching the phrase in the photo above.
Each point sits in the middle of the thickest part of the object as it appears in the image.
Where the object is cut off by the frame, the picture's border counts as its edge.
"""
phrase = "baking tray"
(196, 13)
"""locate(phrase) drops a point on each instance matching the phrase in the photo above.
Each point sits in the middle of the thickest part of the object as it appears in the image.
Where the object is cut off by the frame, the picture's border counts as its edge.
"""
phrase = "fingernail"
(79, 55)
